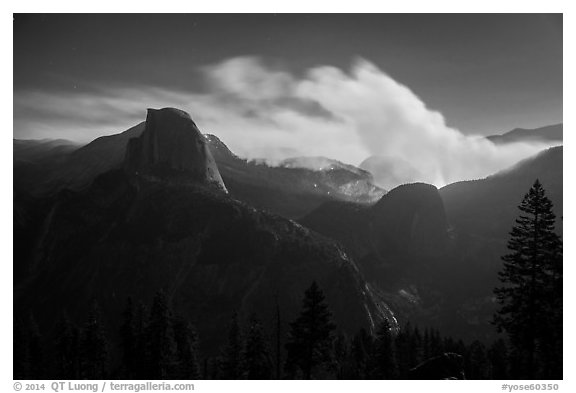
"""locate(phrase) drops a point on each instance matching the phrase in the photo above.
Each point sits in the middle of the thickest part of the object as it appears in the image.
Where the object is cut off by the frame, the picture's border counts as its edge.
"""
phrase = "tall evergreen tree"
(531, 277)
(310, 339)
(552, 338)
(257, 363)
(230, 364)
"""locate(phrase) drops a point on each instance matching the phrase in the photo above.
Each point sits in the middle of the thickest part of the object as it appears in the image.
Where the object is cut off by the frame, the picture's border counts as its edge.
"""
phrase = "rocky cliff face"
(171, 145)
(409, 220)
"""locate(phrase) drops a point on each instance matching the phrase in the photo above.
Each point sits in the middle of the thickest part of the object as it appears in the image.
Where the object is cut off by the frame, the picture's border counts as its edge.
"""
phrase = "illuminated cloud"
(271, 114)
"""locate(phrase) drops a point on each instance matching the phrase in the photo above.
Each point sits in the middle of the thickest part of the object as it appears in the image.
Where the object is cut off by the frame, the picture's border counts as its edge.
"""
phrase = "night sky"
(485, 73)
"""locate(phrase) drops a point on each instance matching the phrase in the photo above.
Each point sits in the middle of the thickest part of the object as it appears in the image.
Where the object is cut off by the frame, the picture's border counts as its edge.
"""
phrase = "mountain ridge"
(553, 132)
(134, 231)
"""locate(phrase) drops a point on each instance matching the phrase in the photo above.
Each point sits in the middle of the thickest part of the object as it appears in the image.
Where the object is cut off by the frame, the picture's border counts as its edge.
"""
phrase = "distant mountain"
(289, 190)
(100, 155)
(34, 161)
(46, 174)
(156, 224)
(542, 134)
(488, 207)
(37, 150)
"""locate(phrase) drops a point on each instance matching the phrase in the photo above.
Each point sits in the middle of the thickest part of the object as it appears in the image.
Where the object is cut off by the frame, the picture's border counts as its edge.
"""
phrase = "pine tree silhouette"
(257, 362)
(310, 339)
(532, 277)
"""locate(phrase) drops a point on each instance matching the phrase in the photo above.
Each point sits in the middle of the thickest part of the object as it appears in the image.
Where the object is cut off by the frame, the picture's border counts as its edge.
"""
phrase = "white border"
(423, 6)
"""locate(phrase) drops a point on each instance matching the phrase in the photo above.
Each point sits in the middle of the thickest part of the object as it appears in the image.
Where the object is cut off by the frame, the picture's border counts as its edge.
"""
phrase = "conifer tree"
(257, 363)
(310, 339)
(531, 276)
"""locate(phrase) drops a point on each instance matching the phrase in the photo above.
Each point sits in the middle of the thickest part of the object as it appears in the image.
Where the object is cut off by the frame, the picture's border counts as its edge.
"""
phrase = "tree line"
(155, 342)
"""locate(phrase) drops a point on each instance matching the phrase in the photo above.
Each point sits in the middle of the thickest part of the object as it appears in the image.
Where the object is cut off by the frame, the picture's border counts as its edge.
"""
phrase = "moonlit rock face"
(172, 145)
